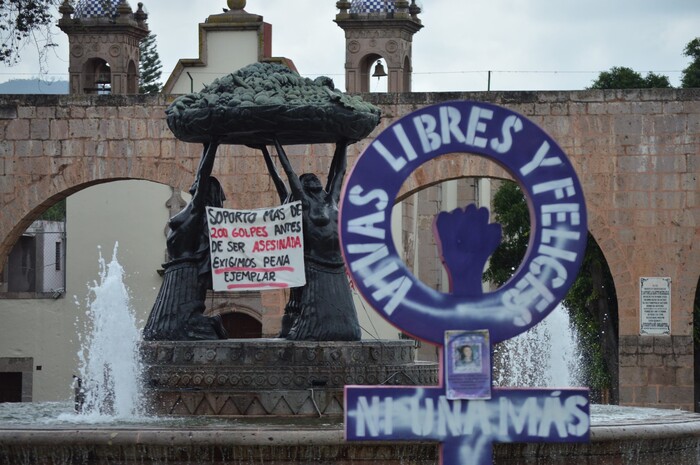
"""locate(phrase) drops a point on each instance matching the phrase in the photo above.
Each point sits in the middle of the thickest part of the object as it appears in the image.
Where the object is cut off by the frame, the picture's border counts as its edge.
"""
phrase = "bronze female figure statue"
(178, 310)
(323, 309)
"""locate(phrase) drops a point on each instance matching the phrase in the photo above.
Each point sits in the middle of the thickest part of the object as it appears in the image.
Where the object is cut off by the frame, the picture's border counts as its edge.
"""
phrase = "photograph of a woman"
(467, 358)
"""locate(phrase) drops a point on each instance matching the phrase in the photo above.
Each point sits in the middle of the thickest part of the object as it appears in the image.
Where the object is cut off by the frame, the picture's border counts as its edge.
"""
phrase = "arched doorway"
(43, 322)
(132, 79)
(97, 77)
(370, 80)
(241, 326)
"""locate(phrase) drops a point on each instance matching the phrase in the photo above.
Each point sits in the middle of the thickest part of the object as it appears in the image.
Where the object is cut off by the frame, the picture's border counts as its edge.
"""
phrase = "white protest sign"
(256, 249)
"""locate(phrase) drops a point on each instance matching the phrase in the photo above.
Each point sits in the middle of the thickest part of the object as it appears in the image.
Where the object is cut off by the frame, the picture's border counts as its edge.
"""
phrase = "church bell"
(379, 70)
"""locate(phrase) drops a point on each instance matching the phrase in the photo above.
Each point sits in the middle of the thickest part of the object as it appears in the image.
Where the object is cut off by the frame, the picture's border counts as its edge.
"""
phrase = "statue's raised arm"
(200, 188)
(293, 179)
(280, 186)
(336, 173)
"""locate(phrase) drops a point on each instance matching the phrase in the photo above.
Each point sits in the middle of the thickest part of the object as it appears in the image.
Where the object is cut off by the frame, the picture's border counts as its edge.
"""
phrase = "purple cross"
(466, 429)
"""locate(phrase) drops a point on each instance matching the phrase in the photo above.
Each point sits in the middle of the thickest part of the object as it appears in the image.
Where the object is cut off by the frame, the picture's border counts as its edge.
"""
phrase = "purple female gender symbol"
(536, 162)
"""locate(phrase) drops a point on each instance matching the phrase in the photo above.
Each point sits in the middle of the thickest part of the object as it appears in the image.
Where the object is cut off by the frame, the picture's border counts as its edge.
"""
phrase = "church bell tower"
(377, 29)
(104, 38)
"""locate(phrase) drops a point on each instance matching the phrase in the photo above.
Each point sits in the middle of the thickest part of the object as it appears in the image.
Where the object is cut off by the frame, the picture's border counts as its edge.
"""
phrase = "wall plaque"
(655, 306)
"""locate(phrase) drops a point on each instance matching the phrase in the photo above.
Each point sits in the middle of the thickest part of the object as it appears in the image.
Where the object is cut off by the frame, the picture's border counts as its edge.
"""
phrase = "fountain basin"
(628, 436)
(273, 377)
(619, 436)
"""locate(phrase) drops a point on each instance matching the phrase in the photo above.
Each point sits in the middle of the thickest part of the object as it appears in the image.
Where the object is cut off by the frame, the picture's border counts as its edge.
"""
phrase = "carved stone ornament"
(77, 50)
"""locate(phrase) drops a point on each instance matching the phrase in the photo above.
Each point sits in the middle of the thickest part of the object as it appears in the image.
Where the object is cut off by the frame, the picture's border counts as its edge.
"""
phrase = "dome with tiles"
(372, 6)
(96, 9)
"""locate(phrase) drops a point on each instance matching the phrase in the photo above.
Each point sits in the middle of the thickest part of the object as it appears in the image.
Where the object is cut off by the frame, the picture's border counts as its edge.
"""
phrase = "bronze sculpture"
(323, 309)
(264, 104)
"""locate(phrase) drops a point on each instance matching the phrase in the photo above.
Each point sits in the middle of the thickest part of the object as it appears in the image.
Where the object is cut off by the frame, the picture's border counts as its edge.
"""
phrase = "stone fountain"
(192, 368)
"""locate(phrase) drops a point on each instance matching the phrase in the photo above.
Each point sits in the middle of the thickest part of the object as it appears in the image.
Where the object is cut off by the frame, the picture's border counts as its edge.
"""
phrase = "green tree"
(56, 212)
(620, 77)
(512, 212)
(149, 66)
(656, 81)
(591, 301)
(691, 74)
(592, 304)
(22, 22)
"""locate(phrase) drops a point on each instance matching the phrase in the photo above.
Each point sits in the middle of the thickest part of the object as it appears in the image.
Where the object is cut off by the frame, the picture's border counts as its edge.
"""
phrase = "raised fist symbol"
(465, 241)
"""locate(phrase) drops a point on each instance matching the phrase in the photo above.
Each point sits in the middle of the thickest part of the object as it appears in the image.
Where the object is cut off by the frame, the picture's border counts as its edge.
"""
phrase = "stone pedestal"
(260, 377)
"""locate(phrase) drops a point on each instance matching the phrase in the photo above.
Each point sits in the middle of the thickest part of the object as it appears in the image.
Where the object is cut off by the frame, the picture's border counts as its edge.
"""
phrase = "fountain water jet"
(109, 362)
(546, 355)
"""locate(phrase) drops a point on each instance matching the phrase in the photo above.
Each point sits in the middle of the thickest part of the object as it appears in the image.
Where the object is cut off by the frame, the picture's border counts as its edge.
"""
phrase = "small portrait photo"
(467, 358)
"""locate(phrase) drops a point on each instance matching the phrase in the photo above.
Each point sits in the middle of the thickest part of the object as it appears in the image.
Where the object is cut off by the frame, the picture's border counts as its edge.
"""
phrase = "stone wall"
(657, 371)
(636, 152)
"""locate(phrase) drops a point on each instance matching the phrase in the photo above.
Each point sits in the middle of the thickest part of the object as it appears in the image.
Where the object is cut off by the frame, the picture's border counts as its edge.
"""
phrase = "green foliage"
(592, 304)
(24, 21)
(620, 77)
(691, 74)
(656, 81)
(149, 66)
(56, 212)
(511, 211)
(591, 301)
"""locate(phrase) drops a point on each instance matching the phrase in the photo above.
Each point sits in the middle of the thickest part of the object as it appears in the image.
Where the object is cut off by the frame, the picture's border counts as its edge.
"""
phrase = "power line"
(527, 72)
(415, 72)
(34, 74)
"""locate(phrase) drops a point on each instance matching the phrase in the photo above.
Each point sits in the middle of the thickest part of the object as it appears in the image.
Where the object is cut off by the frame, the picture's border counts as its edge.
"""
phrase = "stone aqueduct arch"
(637, 154)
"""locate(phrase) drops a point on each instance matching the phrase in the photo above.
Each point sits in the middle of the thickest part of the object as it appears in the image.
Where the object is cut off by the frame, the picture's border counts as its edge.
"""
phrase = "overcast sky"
(528, 44)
